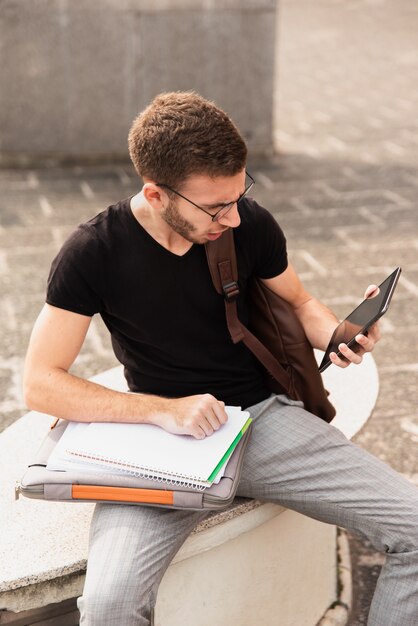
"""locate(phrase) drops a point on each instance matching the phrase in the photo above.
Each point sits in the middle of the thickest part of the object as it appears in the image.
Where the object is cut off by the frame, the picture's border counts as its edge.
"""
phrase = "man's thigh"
(131, 547)
(303, 463)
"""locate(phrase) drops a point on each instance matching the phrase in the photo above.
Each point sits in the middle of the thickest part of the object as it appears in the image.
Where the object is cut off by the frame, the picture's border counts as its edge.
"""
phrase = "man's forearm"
(318, 322)
(64, 395)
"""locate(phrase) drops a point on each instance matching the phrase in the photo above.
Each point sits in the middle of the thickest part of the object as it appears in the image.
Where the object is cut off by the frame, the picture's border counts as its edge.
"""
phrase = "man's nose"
(232, 218)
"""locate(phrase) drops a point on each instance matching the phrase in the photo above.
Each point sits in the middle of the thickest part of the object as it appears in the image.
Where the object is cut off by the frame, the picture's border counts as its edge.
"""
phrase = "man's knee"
(399, 532)
(406, 535)
(102, 607)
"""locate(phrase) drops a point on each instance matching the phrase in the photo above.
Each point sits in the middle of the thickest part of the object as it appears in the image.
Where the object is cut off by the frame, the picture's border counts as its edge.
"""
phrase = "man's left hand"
(365, 343)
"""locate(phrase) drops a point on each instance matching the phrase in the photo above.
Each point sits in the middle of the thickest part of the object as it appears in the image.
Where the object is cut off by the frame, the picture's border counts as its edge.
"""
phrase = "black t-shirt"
(166, 320)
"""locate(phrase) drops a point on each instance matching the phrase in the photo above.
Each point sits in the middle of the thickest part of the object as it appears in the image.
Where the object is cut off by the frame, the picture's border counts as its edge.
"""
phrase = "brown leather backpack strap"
(224, 272)
(271, 364)
(231, 292)
(222, 261)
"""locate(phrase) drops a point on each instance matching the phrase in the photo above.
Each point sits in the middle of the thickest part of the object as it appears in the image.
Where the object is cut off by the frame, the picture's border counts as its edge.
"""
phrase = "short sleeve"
(73, 282)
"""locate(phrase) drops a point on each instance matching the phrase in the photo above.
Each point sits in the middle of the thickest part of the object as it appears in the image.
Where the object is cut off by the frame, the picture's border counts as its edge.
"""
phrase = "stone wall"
(76, 72)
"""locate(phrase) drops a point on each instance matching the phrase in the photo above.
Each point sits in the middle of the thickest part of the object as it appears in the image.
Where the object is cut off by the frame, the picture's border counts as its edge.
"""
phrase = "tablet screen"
(359, 320)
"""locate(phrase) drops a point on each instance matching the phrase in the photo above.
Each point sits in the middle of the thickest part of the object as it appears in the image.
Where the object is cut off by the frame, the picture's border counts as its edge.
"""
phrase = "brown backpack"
(289, 360)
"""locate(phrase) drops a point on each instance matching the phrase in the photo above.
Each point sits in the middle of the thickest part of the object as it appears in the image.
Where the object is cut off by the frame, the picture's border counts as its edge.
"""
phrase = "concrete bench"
(259, 563)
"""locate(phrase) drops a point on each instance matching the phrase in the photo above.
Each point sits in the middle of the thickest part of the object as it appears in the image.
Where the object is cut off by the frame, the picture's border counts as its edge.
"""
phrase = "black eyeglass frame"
(224, 210)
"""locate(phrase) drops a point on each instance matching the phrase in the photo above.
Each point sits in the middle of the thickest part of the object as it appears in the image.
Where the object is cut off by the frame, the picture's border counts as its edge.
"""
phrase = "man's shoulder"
(260, 242)
(114, 213)
(255, 219)
(101, 227)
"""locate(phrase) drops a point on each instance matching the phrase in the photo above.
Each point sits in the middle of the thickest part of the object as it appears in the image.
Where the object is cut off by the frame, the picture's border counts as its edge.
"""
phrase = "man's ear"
(153, 194)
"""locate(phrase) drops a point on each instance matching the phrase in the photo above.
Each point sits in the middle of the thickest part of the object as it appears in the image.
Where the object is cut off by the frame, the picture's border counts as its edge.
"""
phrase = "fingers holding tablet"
(359, 332)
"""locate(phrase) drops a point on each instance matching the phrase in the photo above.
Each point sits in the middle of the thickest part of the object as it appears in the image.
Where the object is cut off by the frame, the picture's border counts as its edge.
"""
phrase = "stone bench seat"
(260, 548)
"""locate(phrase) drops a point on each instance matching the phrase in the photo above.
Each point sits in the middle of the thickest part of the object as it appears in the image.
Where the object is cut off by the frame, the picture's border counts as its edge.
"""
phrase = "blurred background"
(325, 94)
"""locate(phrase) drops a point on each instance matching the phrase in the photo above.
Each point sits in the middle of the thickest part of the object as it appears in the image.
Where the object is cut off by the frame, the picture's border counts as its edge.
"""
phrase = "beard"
(178, 223)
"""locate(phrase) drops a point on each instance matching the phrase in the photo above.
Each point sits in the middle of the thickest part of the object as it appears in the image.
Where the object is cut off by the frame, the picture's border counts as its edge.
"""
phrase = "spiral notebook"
(148, 451)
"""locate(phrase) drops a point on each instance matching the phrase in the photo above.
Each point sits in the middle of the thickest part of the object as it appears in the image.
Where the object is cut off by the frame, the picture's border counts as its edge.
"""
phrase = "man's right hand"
(198, 416)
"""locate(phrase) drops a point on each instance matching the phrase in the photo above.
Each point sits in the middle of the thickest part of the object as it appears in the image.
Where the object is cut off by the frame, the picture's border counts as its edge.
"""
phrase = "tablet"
(359, 320)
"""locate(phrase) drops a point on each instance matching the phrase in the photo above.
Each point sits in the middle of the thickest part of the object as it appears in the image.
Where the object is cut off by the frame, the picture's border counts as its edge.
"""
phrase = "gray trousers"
(293, 459)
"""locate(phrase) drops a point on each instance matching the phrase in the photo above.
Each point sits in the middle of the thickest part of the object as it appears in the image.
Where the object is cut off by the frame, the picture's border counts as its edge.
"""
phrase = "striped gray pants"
(293, 459)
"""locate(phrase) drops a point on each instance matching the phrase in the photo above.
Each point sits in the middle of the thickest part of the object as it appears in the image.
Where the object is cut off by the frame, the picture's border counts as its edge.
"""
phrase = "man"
(141, 265)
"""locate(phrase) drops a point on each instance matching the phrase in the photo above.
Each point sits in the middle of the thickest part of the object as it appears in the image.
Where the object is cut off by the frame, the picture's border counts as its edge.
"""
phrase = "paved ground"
(347, 127)
(344, 187)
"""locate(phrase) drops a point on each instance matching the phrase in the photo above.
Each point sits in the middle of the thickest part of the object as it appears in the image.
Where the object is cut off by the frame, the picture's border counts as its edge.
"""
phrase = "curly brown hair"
(180, 134)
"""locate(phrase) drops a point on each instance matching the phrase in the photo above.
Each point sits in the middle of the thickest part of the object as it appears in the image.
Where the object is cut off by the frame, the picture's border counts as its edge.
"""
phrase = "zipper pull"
(17, 490)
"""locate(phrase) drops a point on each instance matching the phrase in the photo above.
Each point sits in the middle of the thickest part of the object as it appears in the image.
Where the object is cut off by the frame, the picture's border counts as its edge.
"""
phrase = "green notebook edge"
(229, 451)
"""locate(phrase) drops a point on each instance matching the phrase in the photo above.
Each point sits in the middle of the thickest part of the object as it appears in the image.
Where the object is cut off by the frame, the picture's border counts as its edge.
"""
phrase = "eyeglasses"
(224, 207)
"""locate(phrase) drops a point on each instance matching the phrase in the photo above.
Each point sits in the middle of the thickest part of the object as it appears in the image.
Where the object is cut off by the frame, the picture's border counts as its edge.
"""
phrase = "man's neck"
(157, 228)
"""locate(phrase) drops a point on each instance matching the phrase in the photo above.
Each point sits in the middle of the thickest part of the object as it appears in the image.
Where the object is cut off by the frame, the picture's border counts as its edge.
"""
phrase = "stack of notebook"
(147, 451)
